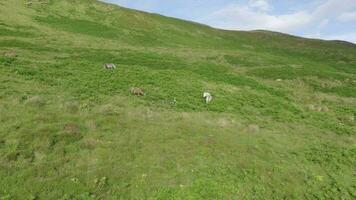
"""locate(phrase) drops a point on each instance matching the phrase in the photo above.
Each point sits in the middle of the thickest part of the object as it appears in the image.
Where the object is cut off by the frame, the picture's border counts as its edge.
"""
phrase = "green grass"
(80, 26)
(70, 129)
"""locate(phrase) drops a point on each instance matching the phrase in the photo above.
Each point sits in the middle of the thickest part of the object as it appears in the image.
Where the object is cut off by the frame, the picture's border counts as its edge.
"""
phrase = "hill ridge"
(281, 124)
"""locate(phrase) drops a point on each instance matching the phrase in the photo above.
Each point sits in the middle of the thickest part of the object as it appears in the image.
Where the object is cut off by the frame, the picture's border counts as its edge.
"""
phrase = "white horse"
(110, 66)
(208, 97)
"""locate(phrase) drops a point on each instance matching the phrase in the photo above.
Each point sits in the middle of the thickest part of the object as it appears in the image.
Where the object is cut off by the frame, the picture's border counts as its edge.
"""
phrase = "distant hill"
(281, 124)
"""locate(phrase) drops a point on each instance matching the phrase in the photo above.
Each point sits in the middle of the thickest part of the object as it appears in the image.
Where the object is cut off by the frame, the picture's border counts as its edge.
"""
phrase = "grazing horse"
(208, 97)
(137, 91)
(110, 66)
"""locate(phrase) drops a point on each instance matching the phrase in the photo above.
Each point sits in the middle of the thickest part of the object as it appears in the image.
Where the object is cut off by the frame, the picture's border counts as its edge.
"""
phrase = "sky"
(324, 19)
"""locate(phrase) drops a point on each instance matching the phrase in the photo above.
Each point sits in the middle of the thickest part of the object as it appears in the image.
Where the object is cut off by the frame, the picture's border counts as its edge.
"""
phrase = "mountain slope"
(281, 125)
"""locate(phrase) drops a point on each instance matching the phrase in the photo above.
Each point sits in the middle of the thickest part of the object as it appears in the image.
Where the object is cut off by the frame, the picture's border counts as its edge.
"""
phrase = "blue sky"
(325, 19)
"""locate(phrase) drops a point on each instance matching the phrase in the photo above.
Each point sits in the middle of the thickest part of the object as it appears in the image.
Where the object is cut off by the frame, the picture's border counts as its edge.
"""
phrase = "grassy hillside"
(281, 125)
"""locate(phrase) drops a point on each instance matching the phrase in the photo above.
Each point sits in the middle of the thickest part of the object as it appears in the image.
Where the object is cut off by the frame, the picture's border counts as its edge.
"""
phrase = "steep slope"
(281, 125)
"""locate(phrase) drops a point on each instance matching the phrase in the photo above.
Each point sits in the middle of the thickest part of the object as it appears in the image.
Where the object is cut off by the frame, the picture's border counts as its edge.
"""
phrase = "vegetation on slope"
(281, 125)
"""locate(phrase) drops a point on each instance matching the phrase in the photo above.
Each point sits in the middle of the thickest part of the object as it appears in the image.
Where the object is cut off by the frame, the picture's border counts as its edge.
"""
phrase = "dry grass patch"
(36, 101)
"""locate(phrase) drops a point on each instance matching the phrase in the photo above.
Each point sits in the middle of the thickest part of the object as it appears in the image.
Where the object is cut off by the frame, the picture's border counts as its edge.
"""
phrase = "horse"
(208, 97)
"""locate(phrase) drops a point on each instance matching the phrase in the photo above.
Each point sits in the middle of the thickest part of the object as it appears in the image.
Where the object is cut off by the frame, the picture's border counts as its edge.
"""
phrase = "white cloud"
(247, 17)
(323, 23)
(315, 18)
(333, 8)
(347, 17)
(261, 5)
(257, 14)
(346, 36)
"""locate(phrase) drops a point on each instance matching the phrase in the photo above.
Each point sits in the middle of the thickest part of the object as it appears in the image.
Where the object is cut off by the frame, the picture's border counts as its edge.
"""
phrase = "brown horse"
(137, 91)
